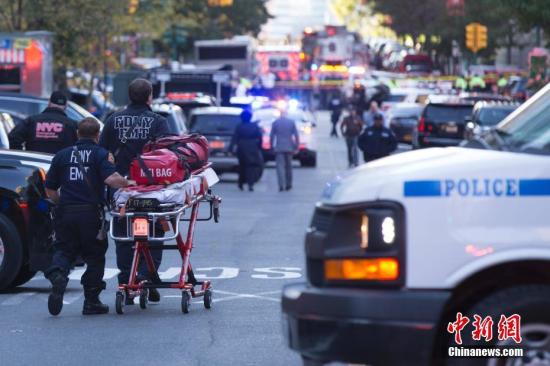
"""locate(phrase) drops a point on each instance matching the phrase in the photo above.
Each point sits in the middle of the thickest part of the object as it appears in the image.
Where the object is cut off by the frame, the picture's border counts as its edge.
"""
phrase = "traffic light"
(471, 37)
(476, 37)
(133, 6)
(481, 36)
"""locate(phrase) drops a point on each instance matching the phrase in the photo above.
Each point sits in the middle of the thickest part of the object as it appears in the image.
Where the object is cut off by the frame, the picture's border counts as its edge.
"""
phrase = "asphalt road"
(255, 249)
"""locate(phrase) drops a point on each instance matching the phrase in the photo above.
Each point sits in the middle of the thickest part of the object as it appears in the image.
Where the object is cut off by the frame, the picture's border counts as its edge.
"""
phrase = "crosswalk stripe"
(18, 299)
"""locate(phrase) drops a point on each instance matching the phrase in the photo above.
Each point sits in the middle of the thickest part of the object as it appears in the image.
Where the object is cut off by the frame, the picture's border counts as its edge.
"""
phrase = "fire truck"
(283, 61)
(26, 63)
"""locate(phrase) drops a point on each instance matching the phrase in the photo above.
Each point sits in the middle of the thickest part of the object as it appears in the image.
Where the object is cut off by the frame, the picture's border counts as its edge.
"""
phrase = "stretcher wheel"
(207, 299)
(119, 303)
(185, 301)
(143, 295)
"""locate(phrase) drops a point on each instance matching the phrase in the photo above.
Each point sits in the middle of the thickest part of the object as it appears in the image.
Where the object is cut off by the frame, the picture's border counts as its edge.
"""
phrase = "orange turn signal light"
(378, 269)
(141, 227)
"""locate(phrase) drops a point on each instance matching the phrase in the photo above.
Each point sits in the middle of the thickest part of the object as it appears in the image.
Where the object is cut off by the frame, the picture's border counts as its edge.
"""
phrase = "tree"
(80, 41)
(530, 14)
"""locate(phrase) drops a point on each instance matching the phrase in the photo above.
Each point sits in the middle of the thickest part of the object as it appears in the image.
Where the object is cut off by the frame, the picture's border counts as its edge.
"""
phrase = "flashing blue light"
(314, 67)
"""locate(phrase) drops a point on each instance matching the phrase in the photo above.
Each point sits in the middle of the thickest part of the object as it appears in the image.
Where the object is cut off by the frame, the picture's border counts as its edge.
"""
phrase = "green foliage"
(530, 13)
(85, 29)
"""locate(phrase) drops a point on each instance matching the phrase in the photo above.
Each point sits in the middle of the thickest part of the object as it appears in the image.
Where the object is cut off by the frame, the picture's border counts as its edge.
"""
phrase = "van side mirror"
(468, 119)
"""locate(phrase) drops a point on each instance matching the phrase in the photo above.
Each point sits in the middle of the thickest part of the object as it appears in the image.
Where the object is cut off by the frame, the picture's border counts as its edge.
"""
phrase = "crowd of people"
(362, 129)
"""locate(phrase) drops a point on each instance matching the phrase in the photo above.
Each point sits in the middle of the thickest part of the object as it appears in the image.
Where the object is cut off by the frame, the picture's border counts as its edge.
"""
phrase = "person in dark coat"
(49, 131)
(247, 141)
(377, 141)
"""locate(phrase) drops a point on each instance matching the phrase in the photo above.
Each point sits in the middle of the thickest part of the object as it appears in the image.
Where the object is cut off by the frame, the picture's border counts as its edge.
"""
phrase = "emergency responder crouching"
(377, 140)
(76, 182)
(124, 134)
(49, 131)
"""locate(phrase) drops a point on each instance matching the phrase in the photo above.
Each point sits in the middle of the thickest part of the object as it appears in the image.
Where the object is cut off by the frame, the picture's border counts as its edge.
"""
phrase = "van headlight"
(388, 230)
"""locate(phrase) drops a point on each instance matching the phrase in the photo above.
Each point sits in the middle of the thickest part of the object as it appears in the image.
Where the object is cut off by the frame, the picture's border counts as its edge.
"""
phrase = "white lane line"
(69, 299)
(77, 274)
(110, 273)
(170, 273)
(18, 299)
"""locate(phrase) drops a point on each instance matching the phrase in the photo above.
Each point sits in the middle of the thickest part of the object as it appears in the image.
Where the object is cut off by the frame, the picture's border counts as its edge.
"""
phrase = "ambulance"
(399, 248)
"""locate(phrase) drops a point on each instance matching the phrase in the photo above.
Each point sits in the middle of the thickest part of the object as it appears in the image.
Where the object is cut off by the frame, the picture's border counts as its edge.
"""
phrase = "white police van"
(399, 246)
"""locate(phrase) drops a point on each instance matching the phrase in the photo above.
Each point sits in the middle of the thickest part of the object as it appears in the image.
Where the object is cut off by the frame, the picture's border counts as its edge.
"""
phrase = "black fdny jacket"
(149, 126)
(65, 173)
(377, 142)
(49, 132)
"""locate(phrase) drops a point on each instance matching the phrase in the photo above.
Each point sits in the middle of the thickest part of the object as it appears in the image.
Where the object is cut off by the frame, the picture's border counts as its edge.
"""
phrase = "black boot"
(92, 304)
(154, 295)
(59, 283)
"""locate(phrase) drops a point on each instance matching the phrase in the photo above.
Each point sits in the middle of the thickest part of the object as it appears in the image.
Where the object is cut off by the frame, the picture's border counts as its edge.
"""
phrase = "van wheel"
(11, 252)
(532, 303)
(24, 275)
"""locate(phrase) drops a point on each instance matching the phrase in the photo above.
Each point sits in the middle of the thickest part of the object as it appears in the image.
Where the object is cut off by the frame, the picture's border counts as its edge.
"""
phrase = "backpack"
(192, 150)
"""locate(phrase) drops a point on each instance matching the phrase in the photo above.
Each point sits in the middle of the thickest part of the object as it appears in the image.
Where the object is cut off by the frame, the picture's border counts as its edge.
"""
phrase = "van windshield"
(527, 129)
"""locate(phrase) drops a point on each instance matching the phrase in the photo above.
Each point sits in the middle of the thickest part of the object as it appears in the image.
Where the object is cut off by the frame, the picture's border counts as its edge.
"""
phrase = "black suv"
(25, 222)
(442, 124)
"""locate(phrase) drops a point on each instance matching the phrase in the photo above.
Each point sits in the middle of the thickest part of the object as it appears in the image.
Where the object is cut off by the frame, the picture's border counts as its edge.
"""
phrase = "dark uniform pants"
(125, 253)
(76, 229)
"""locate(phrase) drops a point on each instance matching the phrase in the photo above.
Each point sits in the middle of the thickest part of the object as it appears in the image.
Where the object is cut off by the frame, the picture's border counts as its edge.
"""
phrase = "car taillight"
(421, 124)
(266, 142)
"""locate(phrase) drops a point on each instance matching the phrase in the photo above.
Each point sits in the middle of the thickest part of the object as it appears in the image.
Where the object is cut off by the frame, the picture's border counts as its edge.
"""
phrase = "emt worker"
(124, 135)
(76, 182)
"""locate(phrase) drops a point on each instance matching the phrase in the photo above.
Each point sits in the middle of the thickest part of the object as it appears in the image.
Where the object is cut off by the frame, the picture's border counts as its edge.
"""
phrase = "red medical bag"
(164, 167)
(191, 149)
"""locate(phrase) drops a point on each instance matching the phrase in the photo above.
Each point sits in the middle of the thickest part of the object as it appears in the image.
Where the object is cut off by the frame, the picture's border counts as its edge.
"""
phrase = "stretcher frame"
(144, 244)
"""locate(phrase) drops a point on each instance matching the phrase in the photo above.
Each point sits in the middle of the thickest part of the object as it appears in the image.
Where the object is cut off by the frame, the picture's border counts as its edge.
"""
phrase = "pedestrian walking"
(285, 142)
(124, 134)
(247, 141)
(374, 109)
(351, 128)
(76, 182)
(335, 106)
(49, 131)
(377, 140)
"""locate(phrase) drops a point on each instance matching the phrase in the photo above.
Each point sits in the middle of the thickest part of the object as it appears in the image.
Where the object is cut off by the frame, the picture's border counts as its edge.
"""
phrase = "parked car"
(188, 101)
(25, 222)
(416, 64)
(405, 95)
(26, 105)
(218, 125)
(442, 124)
(6, 125)
(486, 115)
(403, 119)
(174, 116)
(99, 107)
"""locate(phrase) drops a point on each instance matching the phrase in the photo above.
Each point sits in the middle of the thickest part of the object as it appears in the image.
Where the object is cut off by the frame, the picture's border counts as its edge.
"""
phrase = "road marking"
(18, 299)
(282, 273)
(235, 296)
(110, 273)
(208, 273)
(226, 272)
(170, 273)
(69, 299)
(77, 274)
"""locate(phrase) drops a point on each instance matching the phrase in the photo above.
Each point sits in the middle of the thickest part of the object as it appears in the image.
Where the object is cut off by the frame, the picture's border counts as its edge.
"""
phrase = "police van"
(397, 248)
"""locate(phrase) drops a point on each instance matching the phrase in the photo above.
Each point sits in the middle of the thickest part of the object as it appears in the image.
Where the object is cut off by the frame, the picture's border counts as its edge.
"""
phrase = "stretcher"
(139, 210)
